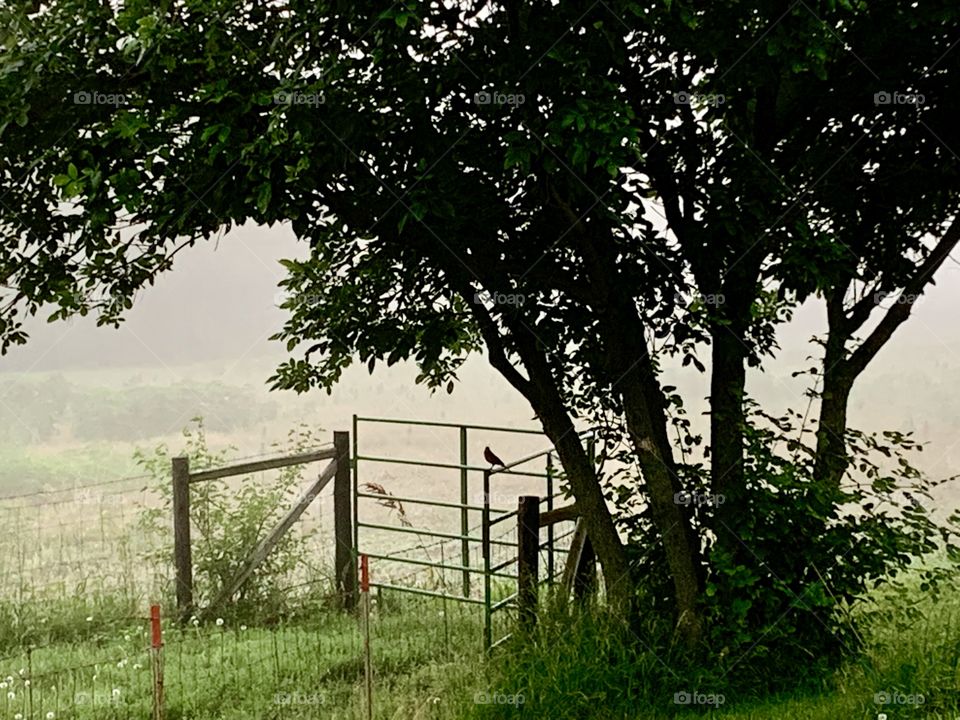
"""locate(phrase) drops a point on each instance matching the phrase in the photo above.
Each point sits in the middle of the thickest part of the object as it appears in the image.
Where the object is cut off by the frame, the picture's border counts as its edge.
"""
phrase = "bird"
(492, 458)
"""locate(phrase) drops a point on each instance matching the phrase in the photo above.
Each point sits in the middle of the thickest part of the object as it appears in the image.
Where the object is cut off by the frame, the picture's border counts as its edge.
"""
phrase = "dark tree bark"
(842, 367)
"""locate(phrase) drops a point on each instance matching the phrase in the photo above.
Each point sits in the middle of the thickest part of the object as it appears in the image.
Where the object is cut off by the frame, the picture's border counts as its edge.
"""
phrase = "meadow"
(78, 571)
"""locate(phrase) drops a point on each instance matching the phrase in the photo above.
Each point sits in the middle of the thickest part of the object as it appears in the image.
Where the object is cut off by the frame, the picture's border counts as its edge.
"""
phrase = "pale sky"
(218, 306)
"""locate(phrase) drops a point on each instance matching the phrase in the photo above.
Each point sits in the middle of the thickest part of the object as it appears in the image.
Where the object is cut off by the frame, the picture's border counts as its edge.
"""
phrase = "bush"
(228, 519)
(809, 556)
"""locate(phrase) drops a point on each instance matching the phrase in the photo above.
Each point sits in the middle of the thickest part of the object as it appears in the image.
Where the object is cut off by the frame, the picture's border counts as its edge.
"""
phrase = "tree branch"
(900, 310)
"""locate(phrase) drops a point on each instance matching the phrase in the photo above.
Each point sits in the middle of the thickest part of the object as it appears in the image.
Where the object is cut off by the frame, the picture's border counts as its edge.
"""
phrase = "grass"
(304, 667)
(580, 669)
(26, 468)
(428, 664)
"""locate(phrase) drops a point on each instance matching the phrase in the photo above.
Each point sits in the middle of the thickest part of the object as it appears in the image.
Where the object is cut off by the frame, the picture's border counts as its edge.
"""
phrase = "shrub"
(228, 519)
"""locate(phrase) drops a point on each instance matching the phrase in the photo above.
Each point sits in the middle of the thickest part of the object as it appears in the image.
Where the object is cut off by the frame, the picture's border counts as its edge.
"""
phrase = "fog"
(209, 320)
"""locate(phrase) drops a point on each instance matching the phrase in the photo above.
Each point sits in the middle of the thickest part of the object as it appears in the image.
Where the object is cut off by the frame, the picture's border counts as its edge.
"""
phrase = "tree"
(479, 177)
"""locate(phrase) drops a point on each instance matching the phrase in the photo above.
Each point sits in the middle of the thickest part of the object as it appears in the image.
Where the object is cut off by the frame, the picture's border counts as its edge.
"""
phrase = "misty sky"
(218, 306)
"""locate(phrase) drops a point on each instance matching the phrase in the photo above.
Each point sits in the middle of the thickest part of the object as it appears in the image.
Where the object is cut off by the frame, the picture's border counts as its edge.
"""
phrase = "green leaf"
(418, 210)
(263, 197)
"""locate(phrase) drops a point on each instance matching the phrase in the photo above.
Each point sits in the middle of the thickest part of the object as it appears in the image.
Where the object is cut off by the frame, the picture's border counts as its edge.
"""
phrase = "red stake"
(155, 626)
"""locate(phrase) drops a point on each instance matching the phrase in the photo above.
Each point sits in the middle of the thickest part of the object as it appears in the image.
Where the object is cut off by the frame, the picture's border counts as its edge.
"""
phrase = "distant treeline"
(51, 408)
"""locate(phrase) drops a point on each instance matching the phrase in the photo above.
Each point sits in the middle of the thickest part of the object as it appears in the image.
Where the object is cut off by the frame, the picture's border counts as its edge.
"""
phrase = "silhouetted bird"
(491, 458)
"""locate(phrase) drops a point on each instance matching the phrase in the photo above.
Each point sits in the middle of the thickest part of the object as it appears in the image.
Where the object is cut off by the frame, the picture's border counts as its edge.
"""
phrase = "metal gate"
(490, 534)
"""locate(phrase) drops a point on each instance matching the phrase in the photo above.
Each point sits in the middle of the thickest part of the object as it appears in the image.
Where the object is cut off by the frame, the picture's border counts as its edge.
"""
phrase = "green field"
(77, 575)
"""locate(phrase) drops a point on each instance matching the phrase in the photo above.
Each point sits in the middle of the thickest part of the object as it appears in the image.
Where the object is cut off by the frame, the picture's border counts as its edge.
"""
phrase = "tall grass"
(583, 665)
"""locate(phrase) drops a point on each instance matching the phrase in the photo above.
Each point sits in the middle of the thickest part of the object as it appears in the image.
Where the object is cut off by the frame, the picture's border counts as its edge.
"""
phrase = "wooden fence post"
(183, 558)
(345, 560)
(528, 559)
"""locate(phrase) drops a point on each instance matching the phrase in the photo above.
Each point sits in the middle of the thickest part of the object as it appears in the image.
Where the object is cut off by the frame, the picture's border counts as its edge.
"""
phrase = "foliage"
(228, 519)
(798, 595)
(489, 178)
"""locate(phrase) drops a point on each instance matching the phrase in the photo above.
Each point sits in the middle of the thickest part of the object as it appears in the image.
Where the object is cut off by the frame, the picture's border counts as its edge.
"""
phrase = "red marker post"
(367, 663)
(155, 627)
(156, 654)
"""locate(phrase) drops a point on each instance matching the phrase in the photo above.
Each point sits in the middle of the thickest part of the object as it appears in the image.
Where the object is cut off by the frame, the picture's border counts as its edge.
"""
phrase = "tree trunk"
(581, 474)
(831, 453)
(727, 419)
(635, 380)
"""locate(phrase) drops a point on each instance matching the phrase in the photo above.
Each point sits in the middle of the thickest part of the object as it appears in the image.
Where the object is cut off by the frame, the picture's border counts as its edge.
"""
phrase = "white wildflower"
(219, 622)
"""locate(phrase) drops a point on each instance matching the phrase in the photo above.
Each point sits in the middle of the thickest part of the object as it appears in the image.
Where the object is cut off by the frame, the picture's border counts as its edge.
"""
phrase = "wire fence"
(79, 569)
